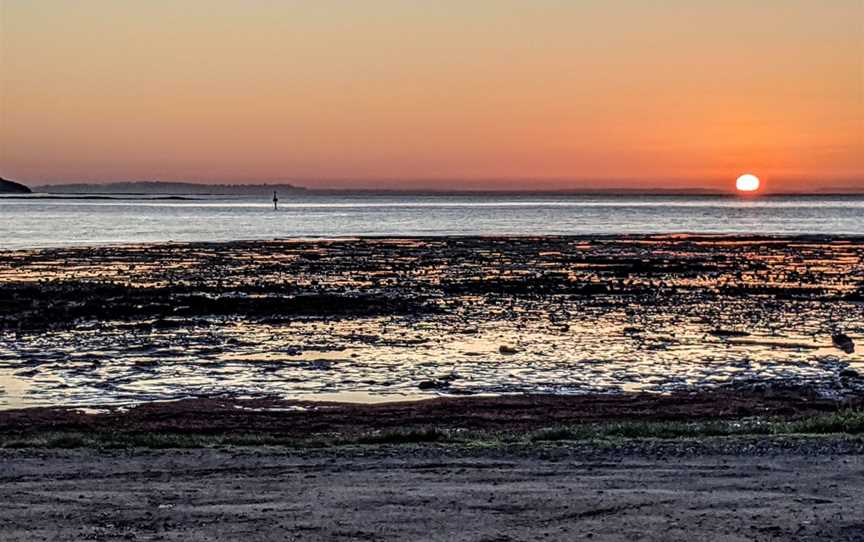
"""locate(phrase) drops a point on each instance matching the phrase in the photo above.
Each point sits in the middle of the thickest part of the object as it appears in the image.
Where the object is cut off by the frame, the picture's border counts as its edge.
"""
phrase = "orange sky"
(546, 94)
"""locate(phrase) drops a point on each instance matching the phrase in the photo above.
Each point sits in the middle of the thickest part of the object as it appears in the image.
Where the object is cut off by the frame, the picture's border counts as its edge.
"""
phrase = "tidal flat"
(383, 319)
(609, 388)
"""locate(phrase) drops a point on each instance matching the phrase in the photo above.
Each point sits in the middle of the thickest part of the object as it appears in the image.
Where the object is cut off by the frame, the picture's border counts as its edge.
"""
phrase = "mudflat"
(371, 319)
(739, 489)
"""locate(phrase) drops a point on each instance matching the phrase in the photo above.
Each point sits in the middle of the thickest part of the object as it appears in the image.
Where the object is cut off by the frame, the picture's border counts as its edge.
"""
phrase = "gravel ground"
(721, 489)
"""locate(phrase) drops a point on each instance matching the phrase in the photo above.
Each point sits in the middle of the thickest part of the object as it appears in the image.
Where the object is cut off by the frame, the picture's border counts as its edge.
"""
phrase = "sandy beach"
(737, 491)
(732, 466)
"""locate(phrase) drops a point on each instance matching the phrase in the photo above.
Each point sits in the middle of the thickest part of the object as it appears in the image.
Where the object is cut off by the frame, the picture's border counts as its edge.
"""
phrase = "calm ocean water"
(35, 222)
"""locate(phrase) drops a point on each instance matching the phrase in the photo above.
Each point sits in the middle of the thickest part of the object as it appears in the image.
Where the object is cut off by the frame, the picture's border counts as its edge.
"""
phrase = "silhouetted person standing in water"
(275, 201)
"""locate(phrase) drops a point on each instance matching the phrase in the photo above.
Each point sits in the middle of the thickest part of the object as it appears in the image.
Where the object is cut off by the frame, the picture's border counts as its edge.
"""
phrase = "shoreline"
(679, 236)
(535, 417)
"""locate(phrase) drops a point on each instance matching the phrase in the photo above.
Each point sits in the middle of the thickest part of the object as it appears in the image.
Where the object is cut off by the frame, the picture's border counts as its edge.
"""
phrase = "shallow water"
(673, 314)
(385, 358)
(39, 222)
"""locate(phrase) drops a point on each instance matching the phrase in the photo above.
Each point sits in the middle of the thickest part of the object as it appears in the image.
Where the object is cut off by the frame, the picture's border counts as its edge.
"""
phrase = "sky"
(485, 94)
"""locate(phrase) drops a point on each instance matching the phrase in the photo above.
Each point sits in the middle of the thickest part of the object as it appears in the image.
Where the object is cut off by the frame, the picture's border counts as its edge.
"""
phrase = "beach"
(743, 490)
(726, 466)
(460, 388)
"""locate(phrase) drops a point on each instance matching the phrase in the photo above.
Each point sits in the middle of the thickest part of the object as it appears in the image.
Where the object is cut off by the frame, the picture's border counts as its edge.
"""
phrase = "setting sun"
(747, 183)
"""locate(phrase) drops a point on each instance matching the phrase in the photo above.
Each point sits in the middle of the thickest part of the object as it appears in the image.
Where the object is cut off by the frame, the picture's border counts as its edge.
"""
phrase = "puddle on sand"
(15, 391)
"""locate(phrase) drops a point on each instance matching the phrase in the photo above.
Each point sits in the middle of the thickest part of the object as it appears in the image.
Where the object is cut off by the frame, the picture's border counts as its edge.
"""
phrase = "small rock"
(843, 342)
(507, 350)
(728, 333)
(433, 385)
(850, 373)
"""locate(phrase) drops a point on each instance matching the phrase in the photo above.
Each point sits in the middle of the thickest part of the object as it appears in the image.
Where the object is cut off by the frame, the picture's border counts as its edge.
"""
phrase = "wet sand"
(373, 319)
(731, 492)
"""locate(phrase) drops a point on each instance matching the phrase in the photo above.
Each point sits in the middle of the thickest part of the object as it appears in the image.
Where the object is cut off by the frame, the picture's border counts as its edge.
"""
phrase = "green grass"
(845, 422)
(850, 422)
(662, 430)
(403, 437)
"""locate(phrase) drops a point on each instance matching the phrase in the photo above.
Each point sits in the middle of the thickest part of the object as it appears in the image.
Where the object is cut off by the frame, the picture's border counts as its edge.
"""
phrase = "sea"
(46, 220)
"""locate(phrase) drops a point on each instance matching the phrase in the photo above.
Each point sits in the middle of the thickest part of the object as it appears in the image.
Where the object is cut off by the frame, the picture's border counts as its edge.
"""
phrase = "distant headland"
(11, 187)
(169, 188)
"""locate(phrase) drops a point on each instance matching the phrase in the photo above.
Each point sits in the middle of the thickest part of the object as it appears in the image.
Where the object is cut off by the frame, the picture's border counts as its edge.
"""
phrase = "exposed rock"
(728, 333)
(433, 385)
(850, 373)
(61, 304)
(843, 342)
(507, 350)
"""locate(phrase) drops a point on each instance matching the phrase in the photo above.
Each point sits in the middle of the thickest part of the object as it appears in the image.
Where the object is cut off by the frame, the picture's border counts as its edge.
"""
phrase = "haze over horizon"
(527, 186)
(392, 94)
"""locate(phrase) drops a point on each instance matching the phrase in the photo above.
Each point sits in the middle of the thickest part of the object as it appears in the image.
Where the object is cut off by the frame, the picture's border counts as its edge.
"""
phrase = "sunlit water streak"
(39, 222)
